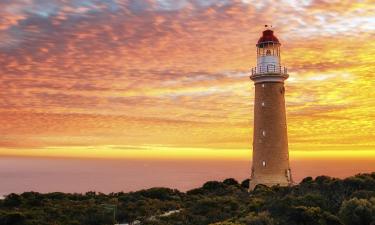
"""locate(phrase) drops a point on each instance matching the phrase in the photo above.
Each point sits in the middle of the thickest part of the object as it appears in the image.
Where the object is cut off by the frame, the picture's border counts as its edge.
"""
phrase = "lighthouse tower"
(270, 141)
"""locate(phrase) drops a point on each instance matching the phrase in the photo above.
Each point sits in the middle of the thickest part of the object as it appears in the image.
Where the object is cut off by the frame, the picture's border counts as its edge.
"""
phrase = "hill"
(320, 201)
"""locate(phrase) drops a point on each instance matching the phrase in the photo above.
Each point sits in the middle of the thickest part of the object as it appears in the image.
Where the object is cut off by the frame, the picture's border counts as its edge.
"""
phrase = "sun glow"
(172, 153)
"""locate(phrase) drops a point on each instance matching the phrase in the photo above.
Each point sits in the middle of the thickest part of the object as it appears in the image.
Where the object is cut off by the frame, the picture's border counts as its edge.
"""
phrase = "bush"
(245, 184)
(225, 223)
(358, 211)
(13, 200)
(231, 181)
(320, 201)
(263, 218)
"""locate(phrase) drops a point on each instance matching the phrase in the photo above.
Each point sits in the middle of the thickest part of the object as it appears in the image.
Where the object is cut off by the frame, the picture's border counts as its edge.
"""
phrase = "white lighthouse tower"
(270, 141)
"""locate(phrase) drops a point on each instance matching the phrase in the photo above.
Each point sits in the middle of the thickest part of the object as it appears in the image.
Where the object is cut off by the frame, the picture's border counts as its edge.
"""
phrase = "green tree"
(303, 215)
(225, 223)
(245, 183)
(262, 218)
(13, 218)
(13, 200)
(358, 211)
(231, 181)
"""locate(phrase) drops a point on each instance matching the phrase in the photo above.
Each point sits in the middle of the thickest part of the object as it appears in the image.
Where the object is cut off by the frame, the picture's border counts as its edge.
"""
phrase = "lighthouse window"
(263, 104)
(264, 133)
(268, 52)
(263, 85)
(264, 163)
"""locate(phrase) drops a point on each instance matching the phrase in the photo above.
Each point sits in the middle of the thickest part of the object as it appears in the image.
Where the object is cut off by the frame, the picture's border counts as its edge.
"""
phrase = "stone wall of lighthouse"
(270, 141)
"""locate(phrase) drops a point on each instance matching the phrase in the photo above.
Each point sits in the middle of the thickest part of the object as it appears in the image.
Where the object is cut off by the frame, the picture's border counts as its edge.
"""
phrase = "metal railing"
(269, 69)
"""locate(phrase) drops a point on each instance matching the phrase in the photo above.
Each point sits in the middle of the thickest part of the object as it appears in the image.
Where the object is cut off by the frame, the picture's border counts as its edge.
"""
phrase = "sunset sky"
(170, 78)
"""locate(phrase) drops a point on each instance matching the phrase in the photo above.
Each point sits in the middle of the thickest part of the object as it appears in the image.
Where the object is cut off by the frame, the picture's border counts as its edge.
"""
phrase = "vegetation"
(320, 201)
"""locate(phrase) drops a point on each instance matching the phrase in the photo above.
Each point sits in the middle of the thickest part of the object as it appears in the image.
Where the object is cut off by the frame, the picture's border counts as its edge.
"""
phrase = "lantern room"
(268, 52)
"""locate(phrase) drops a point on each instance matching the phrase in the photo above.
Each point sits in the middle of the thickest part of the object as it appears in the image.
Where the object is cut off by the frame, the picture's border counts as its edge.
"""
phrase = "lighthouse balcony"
(270, 69)
(270, 73)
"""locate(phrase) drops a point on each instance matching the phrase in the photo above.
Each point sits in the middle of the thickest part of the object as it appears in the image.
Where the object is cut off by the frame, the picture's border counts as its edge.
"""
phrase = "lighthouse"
(270, 165)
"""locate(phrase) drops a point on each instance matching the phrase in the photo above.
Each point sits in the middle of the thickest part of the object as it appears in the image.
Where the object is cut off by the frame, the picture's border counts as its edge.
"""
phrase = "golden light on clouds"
(81, 77)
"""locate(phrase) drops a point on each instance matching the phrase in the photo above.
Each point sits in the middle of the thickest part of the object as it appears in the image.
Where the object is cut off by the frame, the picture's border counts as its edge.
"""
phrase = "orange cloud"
(176, 73)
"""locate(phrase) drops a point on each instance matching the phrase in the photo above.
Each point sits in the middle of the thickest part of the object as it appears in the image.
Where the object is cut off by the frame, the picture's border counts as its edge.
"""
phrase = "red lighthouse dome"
(268, 37)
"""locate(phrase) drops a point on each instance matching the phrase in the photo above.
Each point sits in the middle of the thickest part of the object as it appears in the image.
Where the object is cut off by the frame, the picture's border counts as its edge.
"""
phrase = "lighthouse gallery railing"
(269, 69)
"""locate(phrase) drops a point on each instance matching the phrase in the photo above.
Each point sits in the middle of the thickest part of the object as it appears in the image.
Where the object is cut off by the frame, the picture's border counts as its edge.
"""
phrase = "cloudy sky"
(170, 78)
